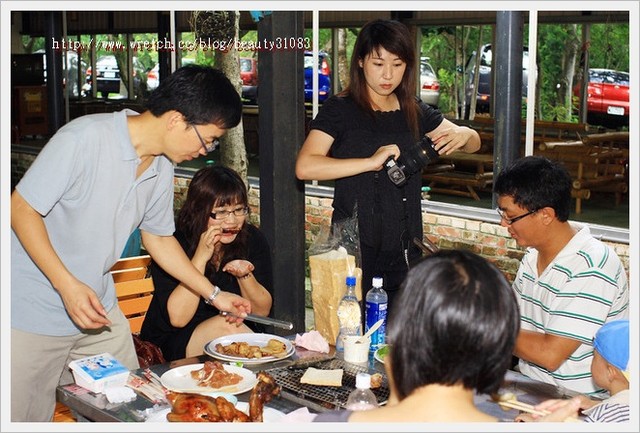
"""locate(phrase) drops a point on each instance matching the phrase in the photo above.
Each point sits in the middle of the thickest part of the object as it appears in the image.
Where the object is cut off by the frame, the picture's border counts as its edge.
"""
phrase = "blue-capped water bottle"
(377, 302)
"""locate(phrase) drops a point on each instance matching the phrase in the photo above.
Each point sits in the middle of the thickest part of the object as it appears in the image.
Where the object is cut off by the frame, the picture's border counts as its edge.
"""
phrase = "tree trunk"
(224, 25)
(343, 63)
(568, 69)
(476, 76)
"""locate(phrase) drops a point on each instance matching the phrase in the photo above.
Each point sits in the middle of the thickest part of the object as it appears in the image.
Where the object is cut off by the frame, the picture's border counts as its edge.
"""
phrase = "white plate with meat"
(259, 348)
(181, 379)
(268, 415)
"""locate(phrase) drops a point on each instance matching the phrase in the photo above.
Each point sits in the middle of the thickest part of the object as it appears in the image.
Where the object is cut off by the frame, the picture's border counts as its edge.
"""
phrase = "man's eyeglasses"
(207, 147)
(224, 214)
(510, 221)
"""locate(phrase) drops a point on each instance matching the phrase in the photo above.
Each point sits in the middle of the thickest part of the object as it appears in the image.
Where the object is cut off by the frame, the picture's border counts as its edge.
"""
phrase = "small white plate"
(378, 354)
(268, 415)
(179, 379)
(252, 339)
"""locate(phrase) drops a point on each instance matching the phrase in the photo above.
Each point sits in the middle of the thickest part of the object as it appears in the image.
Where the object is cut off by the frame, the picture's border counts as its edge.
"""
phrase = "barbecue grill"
(323, 398)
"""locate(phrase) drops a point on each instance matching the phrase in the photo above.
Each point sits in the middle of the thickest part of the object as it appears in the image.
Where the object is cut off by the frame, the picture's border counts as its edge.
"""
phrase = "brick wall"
(489, 240)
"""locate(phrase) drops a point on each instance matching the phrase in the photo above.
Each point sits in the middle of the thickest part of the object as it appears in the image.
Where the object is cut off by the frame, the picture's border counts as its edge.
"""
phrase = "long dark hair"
(463, 320)
(394, 37)
(211, 187)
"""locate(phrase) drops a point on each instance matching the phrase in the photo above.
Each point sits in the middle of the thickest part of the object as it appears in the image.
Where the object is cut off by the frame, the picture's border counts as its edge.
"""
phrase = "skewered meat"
(262, 393)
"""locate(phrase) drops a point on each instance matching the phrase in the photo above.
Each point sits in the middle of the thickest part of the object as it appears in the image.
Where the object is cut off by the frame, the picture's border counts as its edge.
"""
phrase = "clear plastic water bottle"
(377, 302)
(349, 313)
(362, 398)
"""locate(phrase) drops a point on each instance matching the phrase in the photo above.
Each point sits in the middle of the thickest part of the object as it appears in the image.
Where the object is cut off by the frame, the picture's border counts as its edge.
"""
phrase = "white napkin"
(299, 415)
(119, 394)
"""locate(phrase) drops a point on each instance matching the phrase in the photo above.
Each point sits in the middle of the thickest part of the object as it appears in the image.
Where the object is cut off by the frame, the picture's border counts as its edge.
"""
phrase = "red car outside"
(607, 97)
(249, 76)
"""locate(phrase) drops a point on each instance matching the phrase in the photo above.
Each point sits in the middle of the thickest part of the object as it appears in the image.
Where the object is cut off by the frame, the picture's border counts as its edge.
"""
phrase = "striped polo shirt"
(584, 287)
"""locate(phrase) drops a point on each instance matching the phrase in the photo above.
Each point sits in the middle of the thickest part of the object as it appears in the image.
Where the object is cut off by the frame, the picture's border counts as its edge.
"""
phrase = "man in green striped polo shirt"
(568, 285)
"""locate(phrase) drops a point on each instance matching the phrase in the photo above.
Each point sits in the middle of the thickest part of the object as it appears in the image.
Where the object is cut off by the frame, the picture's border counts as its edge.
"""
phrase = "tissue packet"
(99, 372)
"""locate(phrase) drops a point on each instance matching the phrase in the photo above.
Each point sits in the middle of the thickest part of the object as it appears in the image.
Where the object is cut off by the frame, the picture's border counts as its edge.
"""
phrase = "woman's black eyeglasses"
(224, 214)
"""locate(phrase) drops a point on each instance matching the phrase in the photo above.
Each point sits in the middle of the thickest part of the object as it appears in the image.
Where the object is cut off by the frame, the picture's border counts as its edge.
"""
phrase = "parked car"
(607, 97)
(483, 92)
(108, 76)
(153, 77)
(324, 76)
(429, 84)
(71, 70)
(249, 76)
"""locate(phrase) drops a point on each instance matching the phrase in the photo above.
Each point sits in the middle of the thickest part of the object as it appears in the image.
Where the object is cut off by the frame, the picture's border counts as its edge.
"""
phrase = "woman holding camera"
(355, 133)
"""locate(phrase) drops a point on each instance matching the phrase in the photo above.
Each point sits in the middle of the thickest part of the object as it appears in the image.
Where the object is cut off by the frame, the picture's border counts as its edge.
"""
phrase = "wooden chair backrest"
(134, 288)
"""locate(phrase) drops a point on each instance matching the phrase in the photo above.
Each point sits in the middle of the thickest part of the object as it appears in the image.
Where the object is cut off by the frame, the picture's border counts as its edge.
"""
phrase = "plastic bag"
(332, 257)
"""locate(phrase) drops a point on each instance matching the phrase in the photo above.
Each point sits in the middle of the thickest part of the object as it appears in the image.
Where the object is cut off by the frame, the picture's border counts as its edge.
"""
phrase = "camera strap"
(404, 237)
(405, 240)
(377, 212)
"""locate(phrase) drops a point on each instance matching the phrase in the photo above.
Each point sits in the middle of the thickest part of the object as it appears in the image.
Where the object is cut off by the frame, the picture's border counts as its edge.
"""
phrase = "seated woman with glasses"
(233, 254)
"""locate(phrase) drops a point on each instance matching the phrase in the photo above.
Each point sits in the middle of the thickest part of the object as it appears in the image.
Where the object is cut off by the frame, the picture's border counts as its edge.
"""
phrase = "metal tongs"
(262, 319)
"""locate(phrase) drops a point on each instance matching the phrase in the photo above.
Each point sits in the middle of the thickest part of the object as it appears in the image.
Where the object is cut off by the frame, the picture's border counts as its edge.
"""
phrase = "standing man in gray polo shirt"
(99, 178)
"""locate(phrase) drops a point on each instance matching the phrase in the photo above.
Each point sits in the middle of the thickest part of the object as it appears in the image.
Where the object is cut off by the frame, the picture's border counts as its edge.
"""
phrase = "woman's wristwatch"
(213, 296)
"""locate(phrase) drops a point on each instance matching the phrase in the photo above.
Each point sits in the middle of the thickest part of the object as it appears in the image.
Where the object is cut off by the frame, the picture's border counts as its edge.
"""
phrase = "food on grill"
(243, 349)
(213, 375)
(376, 380)
(262, 393)
(314, 376)
(187, 407)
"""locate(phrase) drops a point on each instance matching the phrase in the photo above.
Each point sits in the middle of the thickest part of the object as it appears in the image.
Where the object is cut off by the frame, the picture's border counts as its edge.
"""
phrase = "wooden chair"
(134, 288)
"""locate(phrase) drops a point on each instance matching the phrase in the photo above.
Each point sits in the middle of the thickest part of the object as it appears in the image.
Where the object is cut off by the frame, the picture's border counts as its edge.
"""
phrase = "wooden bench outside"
(134, 288)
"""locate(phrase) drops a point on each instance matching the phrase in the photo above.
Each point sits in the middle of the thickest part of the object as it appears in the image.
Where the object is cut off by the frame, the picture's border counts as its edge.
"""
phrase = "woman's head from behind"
(213, 187)
(455, 324)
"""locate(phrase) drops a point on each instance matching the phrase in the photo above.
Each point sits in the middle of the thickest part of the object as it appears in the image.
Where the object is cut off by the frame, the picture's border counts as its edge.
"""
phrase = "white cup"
(356, 352)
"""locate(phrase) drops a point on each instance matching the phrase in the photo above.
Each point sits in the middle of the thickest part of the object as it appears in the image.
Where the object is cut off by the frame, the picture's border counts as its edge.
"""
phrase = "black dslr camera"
(411, 161)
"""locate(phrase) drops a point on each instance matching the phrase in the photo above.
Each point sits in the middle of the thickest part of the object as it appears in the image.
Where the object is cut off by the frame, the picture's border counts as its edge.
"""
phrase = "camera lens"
(418, 156)
(412, 160)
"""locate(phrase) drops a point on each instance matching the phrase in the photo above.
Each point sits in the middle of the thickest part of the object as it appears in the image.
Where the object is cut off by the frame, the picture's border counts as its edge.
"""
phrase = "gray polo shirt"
(84, 185)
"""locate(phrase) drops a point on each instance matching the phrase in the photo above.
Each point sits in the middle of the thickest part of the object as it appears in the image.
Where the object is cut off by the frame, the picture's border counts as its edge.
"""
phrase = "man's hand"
(84, 306)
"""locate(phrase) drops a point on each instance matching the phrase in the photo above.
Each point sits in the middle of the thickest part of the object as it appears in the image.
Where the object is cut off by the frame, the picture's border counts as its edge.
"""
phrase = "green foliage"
(609, 46)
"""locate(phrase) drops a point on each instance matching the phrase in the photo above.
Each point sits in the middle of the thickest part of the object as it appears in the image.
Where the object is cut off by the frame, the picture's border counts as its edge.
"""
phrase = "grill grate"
(324, 398)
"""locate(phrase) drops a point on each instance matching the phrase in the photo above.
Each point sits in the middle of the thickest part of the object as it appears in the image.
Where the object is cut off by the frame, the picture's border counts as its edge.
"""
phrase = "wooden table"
(88, 406)
(471, 171)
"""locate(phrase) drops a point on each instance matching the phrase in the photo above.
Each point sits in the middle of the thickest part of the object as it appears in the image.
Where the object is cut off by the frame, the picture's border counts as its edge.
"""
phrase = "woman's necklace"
(388, 104)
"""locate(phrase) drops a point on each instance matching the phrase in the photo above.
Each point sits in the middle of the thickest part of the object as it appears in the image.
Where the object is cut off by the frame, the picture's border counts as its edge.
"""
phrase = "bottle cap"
(377, 282)
(351, 280)
(363, 380)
